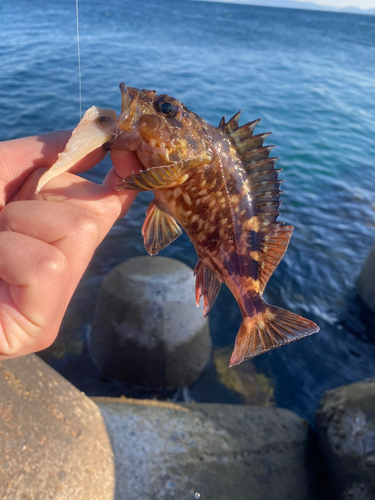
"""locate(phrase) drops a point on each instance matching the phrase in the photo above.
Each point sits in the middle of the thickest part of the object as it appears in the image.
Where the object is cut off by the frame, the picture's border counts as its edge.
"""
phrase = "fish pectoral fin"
(159, 229)
(162, 177)
(154, 178)
(268, 330)
(206, 284)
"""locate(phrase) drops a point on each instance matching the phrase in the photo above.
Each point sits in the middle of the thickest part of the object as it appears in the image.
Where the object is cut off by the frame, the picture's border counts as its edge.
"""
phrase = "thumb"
(124, 164)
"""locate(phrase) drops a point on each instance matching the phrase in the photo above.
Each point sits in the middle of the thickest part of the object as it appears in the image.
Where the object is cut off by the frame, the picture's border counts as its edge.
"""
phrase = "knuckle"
(109, 207)
(113, 204)
(6, 219)
(87, 224)
(51, 262)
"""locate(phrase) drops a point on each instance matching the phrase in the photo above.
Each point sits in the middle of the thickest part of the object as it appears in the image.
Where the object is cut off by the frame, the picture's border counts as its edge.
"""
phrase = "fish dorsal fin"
(231, 125)
(222, 123)
(264, 185)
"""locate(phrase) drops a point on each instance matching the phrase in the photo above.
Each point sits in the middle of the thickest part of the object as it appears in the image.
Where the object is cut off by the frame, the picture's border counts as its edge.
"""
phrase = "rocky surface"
(346, 430)
(147, 329)
(53, 441)
(208, 451)
(366, 280)
(253, 387)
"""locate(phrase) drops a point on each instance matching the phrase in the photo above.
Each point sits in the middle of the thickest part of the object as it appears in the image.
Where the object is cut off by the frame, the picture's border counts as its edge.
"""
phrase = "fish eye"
(167, 106)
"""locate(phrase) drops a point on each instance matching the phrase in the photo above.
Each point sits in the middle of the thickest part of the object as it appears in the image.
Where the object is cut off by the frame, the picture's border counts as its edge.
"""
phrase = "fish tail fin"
(268, 329)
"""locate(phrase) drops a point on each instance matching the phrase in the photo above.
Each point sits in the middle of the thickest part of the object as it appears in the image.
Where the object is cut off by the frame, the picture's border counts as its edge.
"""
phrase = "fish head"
(159, 127)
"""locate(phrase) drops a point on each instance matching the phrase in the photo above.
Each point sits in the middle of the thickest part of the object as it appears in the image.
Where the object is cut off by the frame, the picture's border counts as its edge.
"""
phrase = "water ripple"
(308, 75)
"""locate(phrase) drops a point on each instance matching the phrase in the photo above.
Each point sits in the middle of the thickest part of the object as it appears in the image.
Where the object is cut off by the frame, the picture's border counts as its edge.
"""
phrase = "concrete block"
(147, 329)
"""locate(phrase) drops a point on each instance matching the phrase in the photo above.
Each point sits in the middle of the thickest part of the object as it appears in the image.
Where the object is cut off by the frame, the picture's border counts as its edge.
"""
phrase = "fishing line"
(79, 65)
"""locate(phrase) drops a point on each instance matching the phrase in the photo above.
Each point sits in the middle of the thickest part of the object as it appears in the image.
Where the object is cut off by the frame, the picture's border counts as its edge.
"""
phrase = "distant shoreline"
(292, 4)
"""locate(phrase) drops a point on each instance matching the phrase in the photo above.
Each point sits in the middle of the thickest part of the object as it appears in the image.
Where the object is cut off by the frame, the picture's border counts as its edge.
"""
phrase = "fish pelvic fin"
(268, 330)
(159, 229)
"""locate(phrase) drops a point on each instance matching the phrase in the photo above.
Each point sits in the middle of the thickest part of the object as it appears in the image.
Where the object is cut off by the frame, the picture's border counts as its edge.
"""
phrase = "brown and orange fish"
(222, 188)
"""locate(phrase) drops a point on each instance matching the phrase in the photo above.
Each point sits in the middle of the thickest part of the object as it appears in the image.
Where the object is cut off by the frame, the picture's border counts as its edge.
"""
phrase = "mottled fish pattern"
(220, 185)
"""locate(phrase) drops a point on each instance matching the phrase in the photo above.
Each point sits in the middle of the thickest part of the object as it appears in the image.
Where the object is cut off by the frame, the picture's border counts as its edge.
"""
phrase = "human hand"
(47, 240)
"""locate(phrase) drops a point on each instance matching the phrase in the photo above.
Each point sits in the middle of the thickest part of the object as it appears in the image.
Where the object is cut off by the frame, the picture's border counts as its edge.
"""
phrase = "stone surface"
(147, 329)
(346, 430)
(53, 441)
(221, 452)
(366, 280)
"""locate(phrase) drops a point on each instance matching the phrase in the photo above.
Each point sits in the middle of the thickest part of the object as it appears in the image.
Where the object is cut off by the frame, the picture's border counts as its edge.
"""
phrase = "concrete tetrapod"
(167, 451)
(346, 430)
(147, 329)
(53, 440)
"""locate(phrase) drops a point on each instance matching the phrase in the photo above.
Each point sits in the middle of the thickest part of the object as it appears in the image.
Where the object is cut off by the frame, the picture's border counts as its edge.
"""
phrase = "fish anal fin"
(206, 284)
(268, 330)
(159, 229)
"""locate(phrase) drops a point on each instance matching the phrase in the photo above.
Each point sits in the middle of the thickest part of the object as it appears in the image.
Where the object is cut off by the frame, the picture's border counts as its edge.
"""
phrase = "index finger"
(20, 157)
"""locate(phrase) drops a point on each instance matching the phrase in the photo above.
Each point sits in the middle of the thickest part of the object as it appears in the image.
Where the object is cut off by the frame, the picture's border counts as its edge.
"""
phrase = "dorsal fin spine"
(233, 122)
(259, 187)
(266, 164)
(246, 131)
(253, 155)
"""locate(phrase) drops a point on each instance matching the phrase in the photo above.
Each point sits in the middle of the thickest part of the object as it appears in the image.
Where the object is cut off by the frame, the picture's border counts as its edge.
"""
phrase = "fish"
(220, 185)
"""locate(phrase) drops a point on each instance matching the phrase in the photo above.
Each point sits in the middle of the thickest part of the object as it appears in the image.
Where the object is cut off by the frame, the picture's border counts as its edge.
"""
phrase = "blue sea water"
(309, 75)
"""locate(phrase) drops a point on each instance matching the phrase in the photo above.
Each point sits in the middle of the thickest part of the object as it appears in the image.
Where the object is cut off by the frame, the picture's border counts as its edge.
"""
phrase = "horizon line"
(304, 6)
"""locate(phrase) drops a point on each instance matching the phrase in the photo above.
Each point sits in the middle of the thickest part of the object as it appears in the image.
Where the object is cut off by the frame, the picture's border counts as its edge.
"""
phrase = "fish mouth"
(130, 108)
(127, 121)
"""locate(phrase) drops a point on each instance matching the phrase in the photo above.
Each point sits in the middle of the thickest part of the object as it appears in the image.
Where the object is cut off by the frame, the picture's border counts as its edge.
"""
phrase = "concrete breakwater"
(58, 444)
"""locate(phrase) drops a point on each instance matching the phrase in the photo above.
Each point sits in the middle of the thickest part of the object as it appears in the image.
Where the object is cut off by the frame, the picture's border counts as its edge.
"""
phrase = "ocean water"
(309, 75)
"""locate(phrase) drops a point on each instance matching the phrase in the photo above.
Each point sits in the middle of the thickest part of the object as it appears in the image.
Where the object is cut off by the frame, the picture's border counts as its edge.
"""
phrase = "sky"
(362, 4)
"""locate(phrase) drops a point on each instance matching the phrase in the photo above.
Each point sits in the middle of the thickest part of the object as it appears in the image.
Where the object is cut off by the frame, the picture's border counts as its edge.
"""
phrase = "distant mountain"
(293, 4)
